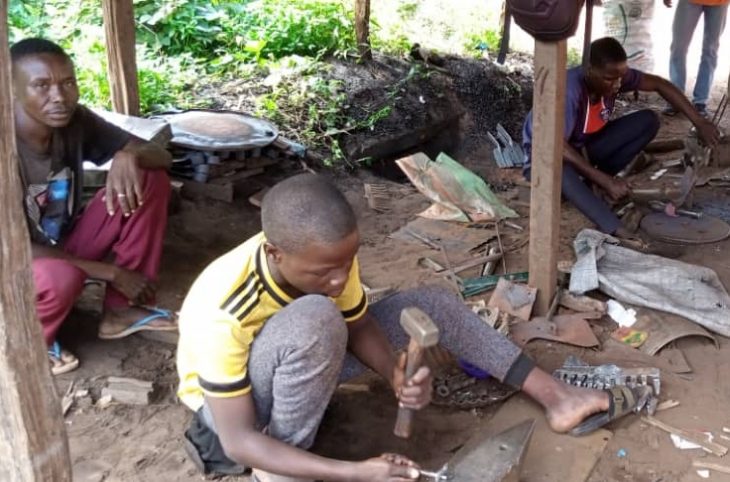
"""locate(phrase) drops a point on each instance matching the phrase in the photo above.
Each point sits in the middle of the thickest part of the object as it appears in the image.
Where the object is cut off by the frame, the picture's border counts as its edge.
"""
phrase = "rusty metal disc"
(219, 131)
(685, 230)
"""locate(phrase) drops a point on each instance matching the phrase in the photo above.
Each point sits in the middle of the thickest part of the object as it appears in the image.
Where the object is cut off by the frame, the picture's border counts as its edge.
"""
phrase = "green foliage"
(487, 39)
(226, 33)
(76, 25)
(575, 57)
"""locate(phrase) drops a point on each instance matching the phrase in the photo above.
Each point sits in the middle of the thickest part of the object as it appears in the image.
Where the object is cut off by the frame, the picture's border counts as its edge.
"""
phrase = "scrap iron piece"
(493, 459)
(576, 372)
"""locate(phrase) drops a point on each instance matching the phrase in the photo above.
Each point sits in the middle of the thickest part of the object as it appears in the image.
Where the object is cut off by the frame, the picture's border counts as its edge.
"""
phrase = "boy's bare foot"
(575, 406)
(566, 406)
(120, 322)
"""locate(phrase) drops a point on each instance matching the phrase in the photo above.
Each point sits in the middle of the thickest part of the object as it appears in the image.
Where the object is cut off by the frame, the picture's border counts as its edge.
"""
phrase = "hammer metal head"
(419, 327)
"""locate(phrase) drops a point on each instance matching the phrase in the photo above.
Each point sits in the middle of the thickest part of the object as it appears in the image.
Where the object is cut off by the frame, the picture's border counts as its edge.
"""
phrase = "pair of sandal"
(63, 361)
(622, 400)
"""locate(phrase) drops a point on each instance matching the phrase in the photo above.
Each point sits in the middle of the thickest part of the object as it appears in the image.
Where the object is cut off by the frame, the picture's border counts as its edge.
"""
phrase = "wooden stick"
(712, 447)
(666, 405)
(699, 464)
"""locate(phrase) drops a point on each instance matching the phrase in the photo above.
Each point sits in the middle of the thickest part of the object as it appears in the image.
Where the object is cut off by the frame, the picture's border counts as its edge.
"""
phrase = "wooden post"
(548, 118)
(362, 29)
(33, 445)
(120, 40)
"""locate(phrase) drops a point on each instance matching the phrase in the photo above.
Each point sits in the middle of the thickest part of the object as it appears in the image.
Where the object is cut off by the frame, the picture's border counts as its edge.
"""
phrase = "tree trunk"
(33, 445)
(362, 29)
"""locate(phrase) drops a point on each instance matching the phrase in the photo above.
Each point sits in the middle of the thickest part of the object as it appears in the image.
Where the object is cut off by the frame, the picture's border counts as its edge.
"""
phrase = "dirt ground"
(143, 443)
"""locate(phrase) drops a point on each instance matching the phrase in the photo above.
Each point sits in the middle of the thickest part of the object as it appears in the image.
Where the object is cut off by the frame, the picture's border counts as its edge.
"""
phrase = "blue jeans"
(683, 28)
(610, 150)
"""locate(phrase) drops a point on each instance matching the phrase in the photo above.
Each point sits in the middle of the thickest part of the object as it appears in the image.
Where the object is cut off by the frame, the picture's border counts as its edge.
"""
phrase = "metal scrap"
(506, 152)
(454, 388)
(578, 373)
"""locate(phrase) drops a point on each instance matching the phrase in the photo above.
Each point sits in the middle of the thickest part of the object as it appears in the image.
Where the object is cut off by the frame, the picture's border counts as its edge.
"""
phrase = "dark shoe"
(702, 110)
(670, 111)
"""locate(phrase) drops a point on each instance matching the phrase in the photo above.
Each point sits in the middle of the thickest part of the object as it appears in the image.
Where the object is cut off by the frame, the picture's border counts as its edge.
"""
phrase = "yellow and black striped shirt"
(224, 310)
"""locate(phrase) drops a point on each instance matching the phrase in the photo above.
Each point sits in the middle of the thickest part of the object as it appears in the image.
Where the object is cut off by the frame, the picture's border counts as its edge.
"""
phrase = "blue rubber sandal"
(144, 324)
(62, 361)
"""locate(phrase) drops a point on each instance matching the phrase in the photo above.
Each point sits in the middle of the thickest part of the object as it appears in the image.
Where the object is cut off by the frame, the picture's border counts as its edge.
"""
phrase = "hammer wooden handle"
(404, 420)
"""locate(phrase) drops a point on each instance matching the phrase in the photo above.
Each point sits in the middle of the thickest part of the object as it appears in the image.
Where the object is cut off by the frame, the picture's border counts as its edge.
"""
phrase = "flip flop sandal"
(622, 400)
(62, 361)
(144, 324)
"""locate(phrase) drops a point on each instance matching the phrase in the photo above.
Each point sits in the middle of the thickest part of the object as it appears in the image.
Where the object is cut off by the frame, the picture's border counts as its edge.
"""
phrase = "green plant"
(575, 57)
(488, 40)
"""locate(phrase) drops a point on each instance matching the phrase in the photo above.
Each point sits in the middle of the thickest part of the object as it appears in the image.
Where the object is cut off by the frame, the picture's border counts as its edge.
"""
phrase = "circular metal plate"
(219, 131)
(684, 230)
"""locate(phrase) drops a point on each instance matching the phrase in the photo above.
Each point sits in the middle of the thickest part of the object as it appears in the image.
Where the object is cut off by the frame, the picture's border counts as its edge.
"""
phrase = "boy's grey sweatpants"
(300, 355)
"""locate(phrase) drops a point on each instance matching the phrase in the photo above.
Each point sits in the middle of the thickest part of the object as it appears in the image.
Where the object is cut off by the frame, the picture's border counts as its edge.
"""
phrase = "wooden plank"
(362, 29)
(120, 49)
(548, 111)
(33, 444)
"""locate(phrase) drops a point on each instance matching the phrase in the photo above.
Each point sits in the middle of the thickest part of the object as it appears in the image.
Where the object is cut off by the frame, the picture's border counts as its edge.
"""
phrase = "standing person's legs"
(580, 195)
(685, 21)
(294, 365)
(135, 240)
(715, 17)
(621, 140)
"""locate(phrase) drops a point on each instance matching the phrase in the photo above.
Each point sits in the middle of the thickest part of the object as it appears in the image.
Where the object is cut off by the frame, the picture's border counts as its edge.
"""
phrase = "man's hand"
(416, 392)
(124, 184)
(137, 288)
(708, 132)
(616, 189)
(387, 468)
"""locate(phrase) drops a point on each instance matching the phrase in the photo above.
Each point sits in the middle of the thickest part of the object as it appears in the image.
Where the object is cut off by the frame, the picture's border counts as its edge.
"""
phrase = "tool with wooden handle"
(424, 333)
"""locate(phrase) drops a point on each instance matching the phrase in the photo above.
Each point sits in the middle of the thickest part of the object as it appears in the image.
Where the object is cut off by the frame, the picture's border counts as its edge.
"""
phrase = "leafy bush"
(227, 32)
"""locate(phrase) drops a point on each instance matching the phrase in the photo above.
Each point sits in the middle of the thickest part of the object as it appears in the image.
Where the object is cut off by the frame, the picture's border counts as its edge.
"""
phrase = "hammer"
(423, 333)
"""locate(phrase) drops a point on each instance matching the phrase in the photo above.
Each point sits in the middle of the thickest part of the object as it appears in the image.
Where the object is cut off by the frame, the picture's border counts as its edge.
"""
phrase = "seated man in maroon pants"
(125, 221)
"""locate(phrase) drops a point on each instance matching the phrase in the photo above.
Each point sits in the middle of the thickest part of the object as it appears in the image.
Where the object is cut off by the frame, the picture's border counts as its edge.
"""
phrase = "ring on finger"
(121, 195)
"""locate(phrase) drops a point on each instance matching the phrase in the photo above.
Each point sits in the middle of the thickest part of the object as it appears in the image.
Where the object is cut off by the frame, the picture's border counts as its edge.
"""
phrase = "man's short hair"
(35, 46)
(304, 209)
(606, 50)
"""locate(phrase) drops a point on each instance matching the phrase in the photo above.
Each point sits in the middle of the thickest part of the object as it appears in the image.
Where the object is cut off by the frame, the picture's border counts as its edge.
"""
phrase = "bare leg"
(565, 405)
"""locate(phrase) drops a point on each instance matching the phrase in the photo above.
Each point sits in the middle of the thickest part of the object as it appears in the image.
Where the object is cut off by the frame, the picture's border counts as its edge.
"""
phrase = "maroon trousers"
(135, 241)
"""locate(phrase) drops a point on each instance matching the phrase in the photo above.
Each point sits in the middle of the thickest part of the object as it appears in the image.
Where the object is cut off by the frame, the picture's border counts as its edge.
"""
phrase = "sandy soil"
(131, 443)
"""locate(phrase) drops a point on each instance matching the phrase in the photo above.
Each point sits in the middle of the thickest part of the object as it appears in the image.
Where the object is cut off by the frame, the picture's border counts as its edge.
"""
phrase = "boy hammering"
(269, 329)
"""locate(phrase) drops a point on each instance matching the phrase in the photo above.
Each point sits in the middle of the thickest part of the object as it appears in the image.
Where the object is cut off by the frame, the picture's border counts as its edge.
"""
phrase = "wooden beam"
(362, 29)
(120, 50)
(33, 445)
(548, 117)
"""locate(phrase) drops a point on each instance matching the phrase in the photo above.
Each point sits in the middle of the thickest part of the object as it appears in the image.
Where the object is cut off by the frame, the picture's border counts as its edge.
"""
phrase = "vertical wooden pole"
(548, 118)
(33, 445)
(362, 29)
(120, 50)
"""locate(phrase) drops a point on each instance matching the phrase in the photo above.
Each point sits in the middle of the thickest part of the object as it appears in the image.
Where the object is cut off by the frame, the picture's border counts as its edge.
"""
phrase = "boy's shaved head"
(306, 209)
